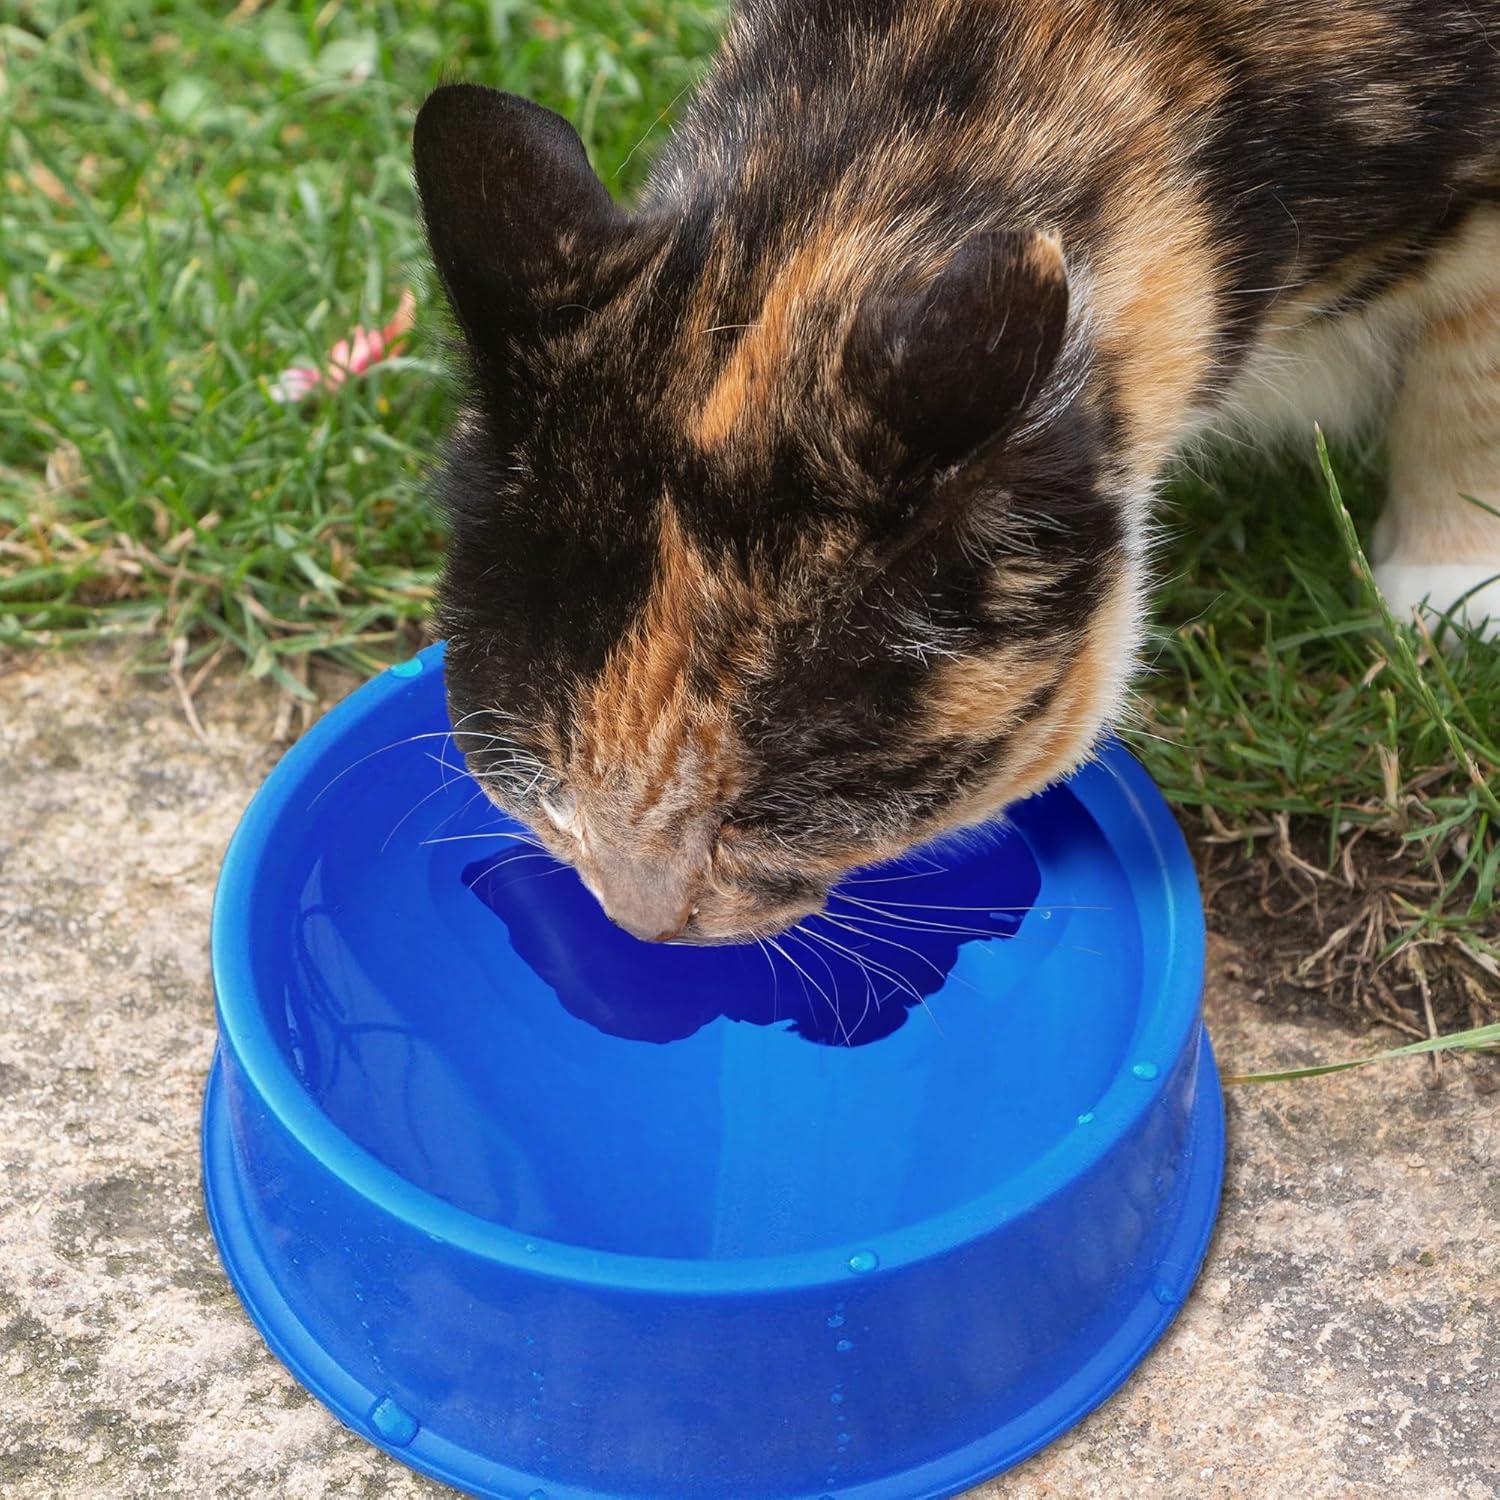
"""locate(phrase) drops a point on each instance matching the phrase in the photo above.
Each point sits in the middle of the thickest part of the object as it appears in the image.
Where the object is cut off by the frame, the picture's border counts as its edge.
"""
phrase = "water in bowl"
(459, 1006)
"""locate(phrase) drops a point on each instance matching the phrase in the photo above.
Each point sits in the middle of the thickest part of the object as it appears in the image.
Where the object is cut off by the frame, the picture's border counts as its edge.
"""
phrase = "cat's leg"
(1432, 545)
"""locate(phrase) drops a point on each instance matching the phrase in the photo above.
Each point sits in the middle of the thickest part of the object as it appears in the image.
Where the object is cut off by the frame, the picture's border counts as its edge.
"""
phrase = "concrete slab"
(1344, 1340)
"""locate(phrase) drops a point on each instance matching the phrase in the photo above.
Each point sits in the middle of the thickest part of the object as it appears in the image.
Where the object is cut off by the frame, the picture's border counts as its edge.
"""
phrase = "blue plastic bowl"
(552, 1214)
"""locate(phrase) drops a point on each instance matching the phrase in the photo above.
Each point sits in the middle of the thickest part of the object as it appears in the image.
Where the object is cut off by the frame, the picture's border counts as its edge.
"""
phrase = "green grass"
(1476, 1039)
(192, 203)
(195, 196)
(1287, 700)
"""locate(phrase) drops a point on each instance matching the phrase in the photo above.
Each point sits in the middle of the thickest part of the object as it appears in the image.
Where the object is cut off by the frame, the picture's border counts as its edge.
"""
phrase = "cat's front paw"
(1471, 590)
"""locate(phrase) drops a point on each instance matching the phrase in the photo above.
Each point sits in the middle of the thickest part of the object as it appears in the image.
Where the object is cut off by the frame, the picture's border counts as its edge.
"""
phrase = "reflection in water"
(847, 977)
(506, 1064)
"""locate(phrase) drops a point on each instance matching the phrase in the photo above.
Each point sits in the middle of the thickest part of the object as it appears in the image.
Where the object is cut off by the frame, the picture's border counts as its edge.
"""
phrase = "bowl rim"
(1112, 787)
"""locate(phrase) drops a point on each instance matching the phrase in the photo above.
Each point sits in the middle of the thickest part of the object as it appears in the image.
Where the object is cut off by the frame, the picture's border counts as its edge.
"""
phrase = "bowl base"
(375, 1416)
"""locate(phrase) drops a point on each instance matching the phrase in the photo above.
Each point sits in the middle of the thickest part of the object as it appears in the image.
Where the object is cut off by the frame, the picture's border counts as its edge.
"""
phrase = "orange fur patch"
(643, 680)
(1050, 745)
(981, 697)
(1310, 45)
(646, 730)
(743, 397)
(1063, 734)
(1153, 299)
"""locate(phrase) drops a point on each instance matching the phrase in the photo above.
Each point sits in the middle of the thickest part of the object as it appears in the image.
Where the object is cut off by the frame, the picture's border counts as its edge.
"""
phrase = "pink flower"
(351, 356)
(295, 385)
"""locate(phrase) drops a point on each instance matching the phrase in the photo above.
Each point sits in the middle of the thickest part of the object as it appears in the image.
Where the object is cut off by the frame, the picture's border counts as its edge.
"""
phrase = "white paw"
(1436, 588)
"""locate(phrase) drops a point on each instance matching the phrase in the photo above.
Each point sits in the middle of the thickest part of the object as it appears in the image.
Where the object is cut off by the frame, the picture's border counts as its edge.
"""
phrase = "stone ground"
(1343, 1341)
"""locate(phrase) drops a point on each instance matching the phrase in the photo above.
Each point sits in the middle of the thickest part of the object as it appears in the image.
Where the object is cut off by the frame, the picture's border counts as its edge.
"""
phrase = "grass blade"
(1477, 1039)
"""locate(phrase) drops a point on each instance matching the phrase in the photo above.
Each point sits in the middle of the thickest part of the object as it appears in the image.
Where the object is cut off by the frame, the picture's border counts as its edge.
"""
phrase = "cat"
(802, 513)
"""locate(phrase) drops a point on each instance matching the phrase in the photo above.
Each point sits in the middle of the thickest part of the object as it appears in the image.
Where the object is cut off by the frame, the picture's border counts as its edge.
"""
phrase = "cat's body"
(804, 514)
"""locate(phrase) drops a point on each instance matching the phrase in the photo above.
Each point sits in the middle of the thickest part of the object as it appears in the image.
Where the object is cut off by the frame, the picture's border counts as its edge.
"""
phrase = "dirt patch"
(1332, 941)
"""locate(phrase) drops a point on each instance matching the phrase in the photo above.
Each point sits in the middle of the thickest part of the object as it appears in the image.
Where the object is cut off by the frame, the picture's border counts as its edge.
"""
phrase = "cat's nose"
(649, 898)
(644, 933)
(652, 925)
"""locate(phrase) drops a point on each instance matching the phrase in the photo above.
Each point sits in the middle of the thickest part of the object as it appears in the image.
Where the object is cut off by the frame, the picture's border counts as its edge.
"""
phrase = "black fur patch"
(961, 433)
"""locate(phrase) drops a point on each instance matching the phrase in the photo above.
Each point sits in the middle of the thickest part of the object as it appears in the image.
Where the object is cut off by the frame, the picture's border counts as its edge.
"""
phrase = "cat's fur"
(802, 513)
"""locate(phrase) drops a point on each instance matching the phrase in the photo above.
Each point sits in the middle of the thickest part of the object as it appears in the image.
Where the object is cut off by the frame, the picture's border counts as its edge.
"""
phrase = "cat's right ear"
(956, 362)
(514, 215)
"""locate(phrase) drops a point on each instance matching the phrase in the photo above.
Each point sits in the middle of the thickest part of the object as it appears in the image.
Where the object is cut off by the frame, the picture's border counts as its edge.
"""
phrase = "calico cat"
(802, 513)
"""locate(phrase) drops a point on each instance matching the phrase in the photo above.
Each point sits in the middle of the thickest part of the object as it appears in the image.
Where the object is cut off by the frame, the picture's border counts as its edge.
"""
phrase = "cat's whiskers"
(486, 713)
(897, 977)
(852, 926)
(461, 838)
(882, 910)
(777, 948)
(517, 858)
(411, 739)
(858, 962)
(893, 879)
(855, 930)
(536, 875)
(796, 932)
(898, 980)
(457, 812)
(940, 906)
(760, 943)
(808, 979)
(441, 760)
(914, 924)
(426, 797)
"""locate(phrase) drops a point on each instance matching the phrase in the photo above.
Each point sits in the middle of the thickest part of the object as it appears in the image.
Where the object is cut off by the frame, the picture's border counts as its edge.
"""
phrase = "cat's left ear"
(515, 214)
(956, 362)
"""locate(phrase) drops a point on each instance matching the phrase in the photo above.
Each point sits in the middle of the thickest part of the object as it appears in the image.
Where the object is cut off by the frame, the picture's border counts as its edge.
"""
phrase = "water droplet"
(844, 1345)
(394, 1423)
(1163, 1294)
(531, 1247)
(863, 1260)
(1046, 916)
(1147, 1071)
(837, 1398)
(537, 1495)
(841, 1438)
(1086, 1117)
(412, 667)
(836, 1321)
(536, 1375)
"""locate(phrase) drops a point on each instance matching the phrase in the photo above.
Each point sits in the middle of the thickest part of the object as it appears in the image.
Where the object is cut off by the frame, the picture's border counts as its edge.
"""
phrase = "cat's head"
(776, 548)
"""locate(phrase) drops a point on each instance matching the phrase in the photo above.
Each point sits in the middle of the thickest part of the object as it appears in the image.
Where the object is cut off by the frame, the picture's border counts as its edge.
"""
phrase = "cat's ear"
(513, 210)
(954, 363)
